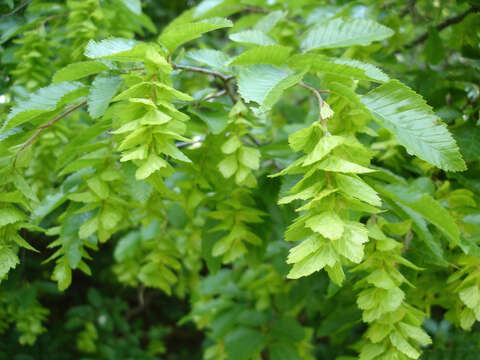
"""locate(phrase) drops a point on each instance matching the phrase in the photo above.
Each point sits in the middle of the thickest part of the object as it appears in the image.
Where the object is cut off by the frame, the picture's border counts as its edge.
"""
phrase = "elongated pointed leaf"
(264, 84)
(45, 99)
(108, 47)
(344, 32)
(133, 5)
(270, 54)
(342, 67)
(266, 23)
(101, 92)
(178, 35)
(408, 116)
(426, 206)
(255, 37)
(213, 58)
(78, 70)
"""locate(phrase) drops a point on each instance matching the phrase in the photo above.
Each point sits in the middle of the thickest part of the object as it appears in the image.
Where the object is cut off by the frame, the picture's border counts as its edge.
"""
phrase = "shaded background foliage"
(434, 50)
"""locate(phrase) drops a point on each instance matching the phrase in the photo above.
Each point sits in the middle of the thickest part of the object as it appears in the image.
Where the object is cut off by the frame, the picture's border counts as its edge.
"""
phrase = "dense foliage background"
(140, 217)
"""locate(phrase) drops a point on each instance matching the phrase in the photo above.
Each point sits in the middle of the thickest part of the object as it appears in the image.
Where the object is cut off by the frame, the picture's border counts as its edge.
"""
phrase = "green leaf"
(355, 187)
(269, 21)
(336, 164)
(182, 33)
(78, 70)
(416, 333)
(215, 59)
(62, 274)
(109, 47)
(470, 296)
(350, 245)
(244, 343)
(316, 261)
(304, 249)
(9, 214)
(371, 351)
(99, 187)
(133, 5)
(288, 329)
(231, 145)
(423, 204)
(110, 217)
(344, 32)
(254, 37)
(265, 84)
(249, 157)
(43, 100)
(337, 66)
(149, 166)
(467, 139)
(228, 166)
(269, 54)
(8, 260)
(380, 279)
(214, 115)
(283, 351)
(408, 116)
(127, 246)
(434, 49)
(328, 224)
(323, 148)
(403, 345)
(102, 91)
(88, 228)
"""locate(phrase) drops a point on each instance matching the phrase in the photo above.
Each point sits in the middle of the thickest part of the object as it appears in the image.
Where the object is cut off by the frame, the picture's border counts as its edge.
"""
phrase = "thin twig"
(320, 103)
(410, 8)
(182, 144)
(225, 78)
(51, 17)
(47, 125)
(221, 76)
(133, 69)
(215, 95)
(143, 302)
(406, 241)
(25, 3)
(450, 21)
(254, 140)
(229, 91)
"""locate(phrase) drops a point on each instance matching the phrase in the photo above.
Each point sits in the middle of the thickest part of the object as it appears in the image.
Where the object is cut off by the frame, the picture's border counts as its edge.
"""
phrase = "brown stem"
(215, 95)
(410, 8)
(320, 103)
(229, 91)
(254, 140)
(224, 78)
(221, 76)
(47, 125)
(20, 7)
(406, 241)
(450, 21)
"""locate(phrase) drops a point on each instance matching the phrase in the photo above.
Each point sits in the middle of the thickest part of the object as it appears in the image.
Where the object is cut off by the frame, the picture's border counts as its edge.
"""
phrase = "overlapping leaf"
(178, 35)
(44, 100)
(408, 116)
(264, 84)
(344, 32)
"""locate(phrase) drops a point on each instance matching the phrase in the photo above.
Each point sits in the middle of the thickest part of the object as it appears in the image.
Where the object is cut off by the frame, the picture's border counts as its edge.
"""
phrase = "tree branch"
(410, 8)
(224, 78)
(20, 7)
(47, 125)
(320, 103)
(450, 21)
(221, 76)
